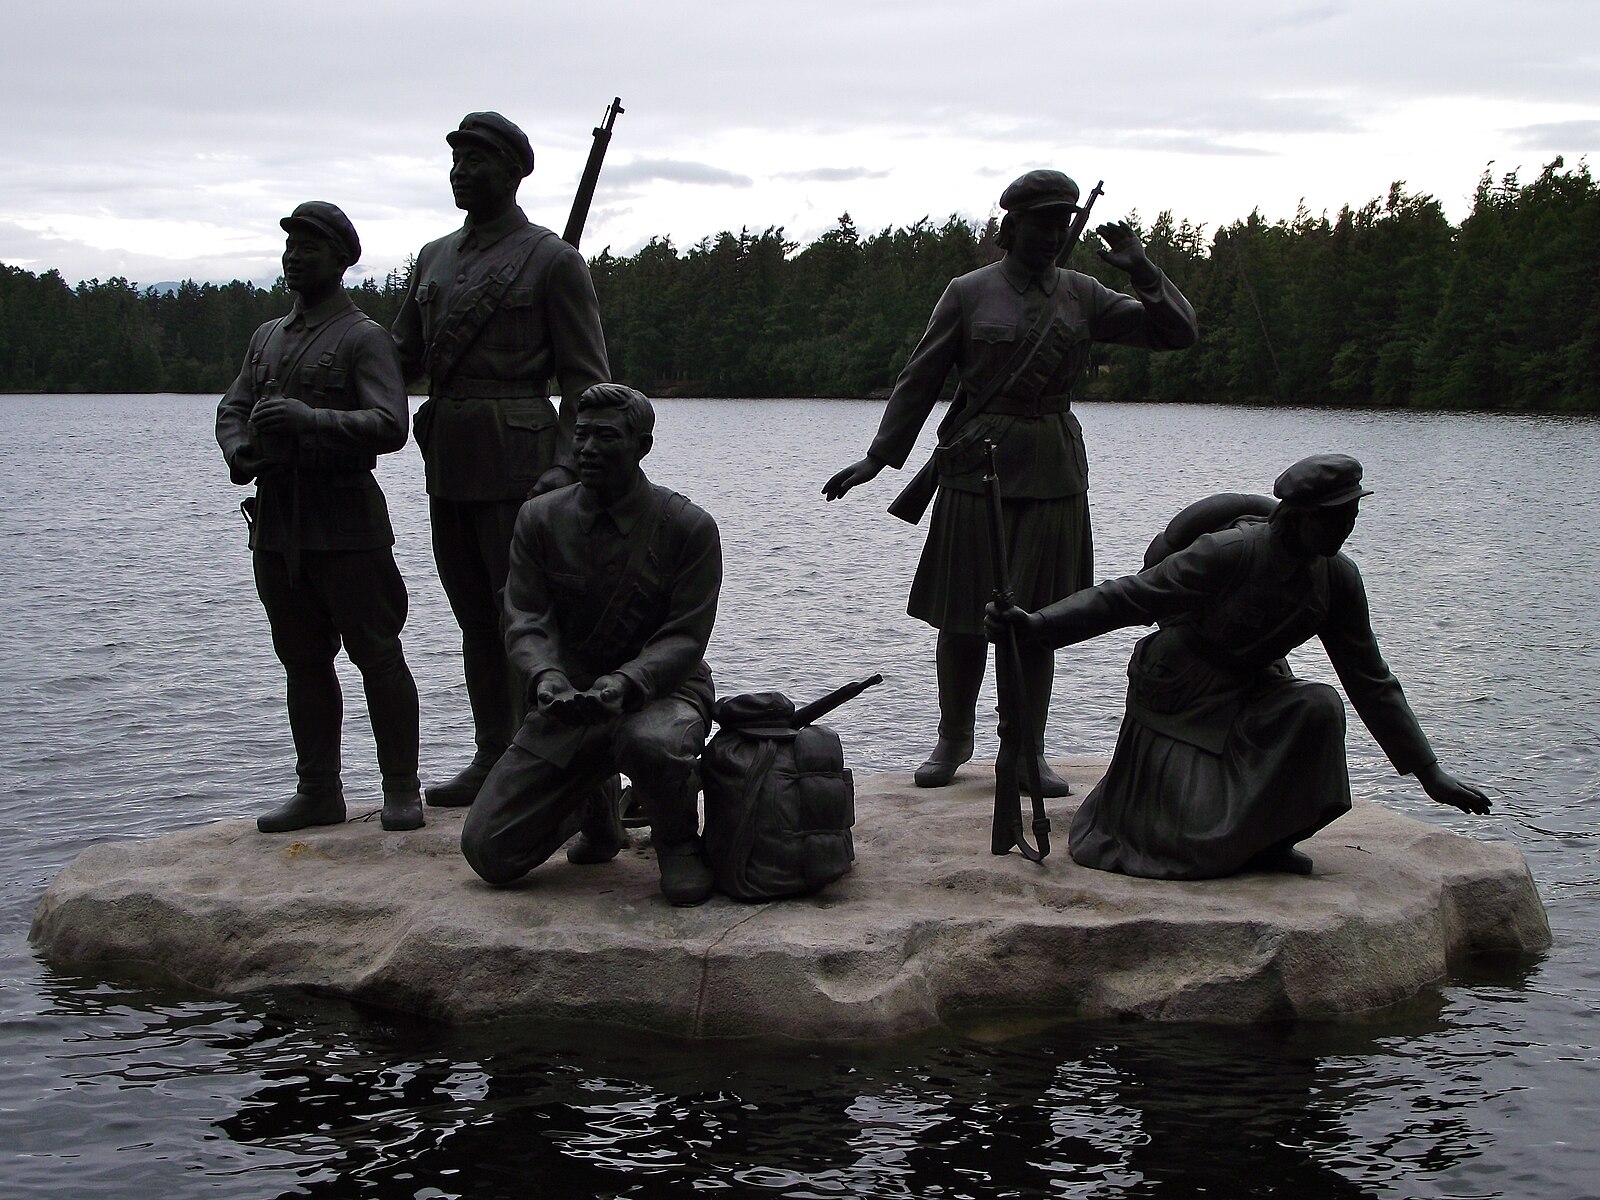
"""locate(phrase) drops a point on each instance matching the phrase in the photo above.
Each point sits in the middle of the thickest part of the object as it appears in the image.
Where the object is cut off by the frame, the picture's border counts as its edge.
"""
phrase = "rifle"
(591, 173)
(1017, 744)
(818, 709)
(1079, 224)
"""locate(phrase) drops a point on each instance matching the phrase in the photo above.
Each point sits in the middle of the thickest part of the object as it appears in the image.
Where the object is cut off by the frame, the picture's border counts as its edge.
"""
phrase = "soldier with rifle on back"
(494, 312)
(1017, 332)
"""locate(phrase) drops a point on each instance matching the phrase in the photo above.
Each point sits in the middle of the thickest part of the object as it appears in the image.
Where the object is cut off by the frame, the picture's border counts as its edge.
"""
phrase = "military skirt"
(1231, 765)
(1049, 553)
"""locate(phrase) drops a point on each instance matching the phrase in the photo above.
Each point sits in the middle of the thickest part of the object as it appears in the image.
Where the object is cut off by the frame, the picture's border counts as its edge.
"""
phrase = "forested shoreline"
(1387, 304)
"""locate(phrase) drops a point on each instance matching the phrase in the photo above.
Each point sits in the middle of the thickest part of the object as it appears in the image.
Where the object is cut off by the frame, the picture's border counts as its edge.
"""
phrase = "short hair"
(1008, 231)
(637, 412)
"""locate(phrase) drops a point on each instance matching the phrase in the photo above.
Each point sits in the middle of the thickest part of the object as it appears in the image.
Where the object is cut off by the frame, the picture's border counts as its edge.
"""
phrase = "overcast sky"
(162, 141)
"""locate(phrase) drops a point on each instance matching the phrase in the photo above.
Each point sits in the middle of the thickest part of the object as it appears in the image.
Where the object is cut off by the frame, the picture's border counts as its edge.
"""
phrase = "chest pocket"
(514, 323)
(991, 332)
(565, 585)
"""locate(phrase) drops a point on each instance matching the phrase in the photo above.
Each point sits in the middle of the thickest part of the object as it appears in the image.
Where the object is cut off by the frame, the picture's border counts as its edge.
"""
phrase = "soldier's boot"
(462, 789)
(302, 810)
(959, 661)
(600, 838)
(685, 878)
(402, 810)
(1038, 671)
(674, 826)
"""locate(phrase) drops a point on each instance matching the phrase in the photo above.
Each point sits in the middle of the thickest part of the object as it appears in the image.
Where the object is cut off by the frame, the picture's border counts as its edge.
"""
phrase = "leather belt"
(1029, 406)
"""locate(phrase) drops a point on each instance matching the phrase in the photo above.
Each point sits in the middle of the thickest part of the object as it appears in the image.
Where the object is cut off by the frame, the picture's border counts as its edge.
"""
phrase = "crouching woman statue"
(1225, 760)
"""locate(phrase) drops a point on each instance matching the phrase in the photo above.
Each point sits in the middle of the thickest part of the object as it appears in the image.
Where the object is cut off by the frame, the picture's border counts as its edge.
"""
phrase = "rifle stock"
(591, 173)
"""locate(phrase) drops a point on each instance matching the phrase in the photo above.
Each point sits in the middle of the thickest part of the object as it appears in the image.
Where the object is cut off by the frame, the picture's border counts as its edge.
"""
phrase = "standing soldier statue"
(319, 397)
(495, 310)
(1017, 332)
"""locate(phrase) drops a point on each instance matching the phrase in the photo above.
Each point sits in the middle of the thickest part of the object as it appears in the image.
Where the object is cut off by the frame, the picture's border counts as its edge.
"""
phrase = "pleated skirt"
(1049, 553)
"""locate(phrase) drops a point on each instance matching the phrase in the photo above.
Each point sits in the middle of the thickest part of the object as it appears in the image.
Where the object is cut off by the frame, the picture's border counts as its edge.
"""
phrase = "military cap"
(1321, 481)
(492, 130)
(1039, 189)
(329, 221)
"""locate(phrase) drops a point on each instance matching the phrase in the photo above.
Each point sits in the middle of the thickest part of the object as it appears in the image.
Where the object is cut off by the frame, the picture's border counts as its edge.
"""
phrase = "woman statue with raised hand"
(1225, 760)
(1017, 332)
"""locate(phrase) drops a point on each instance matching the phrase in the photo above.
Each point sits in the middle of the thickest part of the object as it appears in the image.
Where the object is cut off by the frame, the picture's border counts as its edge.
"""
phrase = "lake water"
(138, 695)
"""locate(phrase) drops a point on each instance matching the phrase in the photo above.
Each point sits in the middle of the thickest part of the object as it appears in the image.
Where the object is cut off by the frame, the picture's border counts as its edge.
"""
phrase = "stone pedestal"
(930, 928)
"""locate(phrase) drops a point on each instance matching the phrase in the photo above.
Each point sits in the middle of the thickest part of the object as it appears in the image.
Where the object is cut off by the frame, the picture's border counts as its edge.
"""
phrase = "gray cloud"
(831, 175)
(671, 170)
(1562, 137)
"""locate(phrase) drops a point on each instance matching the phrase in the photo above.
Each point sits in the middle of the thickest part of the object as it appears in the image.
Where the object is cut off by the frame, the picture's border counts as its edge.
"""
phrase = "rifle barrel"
(591, 174)
(840, 695)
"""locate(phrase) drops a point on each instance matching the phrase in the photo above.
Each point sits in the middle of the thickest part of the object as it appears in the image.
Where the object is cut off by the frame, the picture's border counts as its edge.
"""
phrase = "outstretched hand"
(855, 473)
(1445, 788)
(1125, 252)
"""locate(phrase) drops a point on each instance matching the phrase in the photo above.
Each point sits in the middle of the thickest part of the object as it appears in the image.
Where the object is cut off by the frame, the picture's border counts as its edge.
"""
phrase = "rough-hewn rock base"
(929, 928)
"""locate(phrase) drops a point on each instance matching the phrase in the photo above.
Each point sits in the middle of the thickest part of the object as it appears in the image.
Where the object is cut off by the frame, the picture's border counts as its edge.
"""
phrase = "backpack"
(779, 800)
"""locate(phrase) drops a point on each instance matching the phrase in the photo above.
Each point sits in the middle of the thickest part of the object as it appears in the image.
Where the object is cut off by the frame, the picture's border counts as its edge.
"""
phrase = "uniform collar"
(489, 232)
(629, 509)
(1019, 277)
(318, 313)
(1283, 564)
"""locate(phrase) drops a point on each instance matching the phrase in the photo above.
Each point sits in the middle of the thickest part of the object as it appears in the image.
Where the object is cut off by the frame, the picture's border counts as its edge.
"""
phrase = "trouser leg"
(959, 660)
(368, 601)
(305, 641)
(472, 548)
(528, 806)
(659, 748)
(1038, 677)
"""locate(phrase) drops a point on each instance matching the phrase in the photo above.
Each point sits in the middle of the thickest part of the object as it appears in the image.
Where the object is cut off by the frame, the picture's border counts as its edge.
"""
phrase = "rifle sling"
(468, 316)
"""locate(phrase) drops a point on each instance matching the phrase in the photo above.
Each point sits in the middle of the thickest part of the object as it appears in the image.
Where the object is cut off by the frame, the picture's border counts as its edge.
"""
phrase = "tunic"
(488, 431)
(1223, 753)
(315, 490)
(976, 328)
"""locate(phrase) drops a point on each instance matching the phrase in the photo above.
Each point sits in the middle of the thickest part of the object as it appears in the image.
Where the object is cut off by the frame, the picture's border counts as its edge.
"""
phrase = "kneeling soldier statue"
(609, 604)
(320, 396)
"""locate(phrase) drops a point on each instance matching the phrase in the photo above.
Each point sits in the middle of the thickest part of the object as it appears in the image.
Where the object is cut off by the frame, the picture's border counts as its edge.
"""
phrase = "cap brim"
(1355, 492)
(290, 224)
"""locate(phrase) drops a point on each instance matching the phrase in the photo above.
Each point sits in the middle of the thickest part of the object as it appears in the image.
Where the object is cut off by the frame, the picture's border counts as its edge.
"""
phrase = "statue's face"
(1041, 232)
(607, 453)
(1324, 530)
(479, 178)
(312, 264)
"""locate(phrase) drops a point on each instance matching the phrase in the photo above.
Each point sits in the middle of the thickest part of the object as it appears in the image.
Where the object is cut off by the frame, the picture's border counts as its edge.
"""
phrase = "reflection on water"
(138, 694)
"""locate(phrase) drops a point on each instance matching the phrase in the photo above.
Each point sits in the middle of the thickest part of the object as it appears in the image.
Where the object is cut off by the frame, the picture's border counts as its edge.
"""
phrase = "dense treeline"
(1385, 304)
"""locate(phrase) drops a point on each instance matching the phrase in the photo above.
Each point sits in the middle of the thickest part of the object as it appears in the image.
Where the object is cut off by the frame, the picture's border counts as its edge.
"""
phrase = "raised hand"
(1125, 251)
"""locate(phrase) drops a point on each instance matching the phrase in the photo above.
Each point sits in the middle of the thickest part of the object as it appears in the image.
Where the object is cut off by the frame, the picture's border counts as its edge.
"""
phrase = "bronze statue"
(319, 397)
(1017, 333)
(1225, 760)
(610, 600)
(495, 310)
